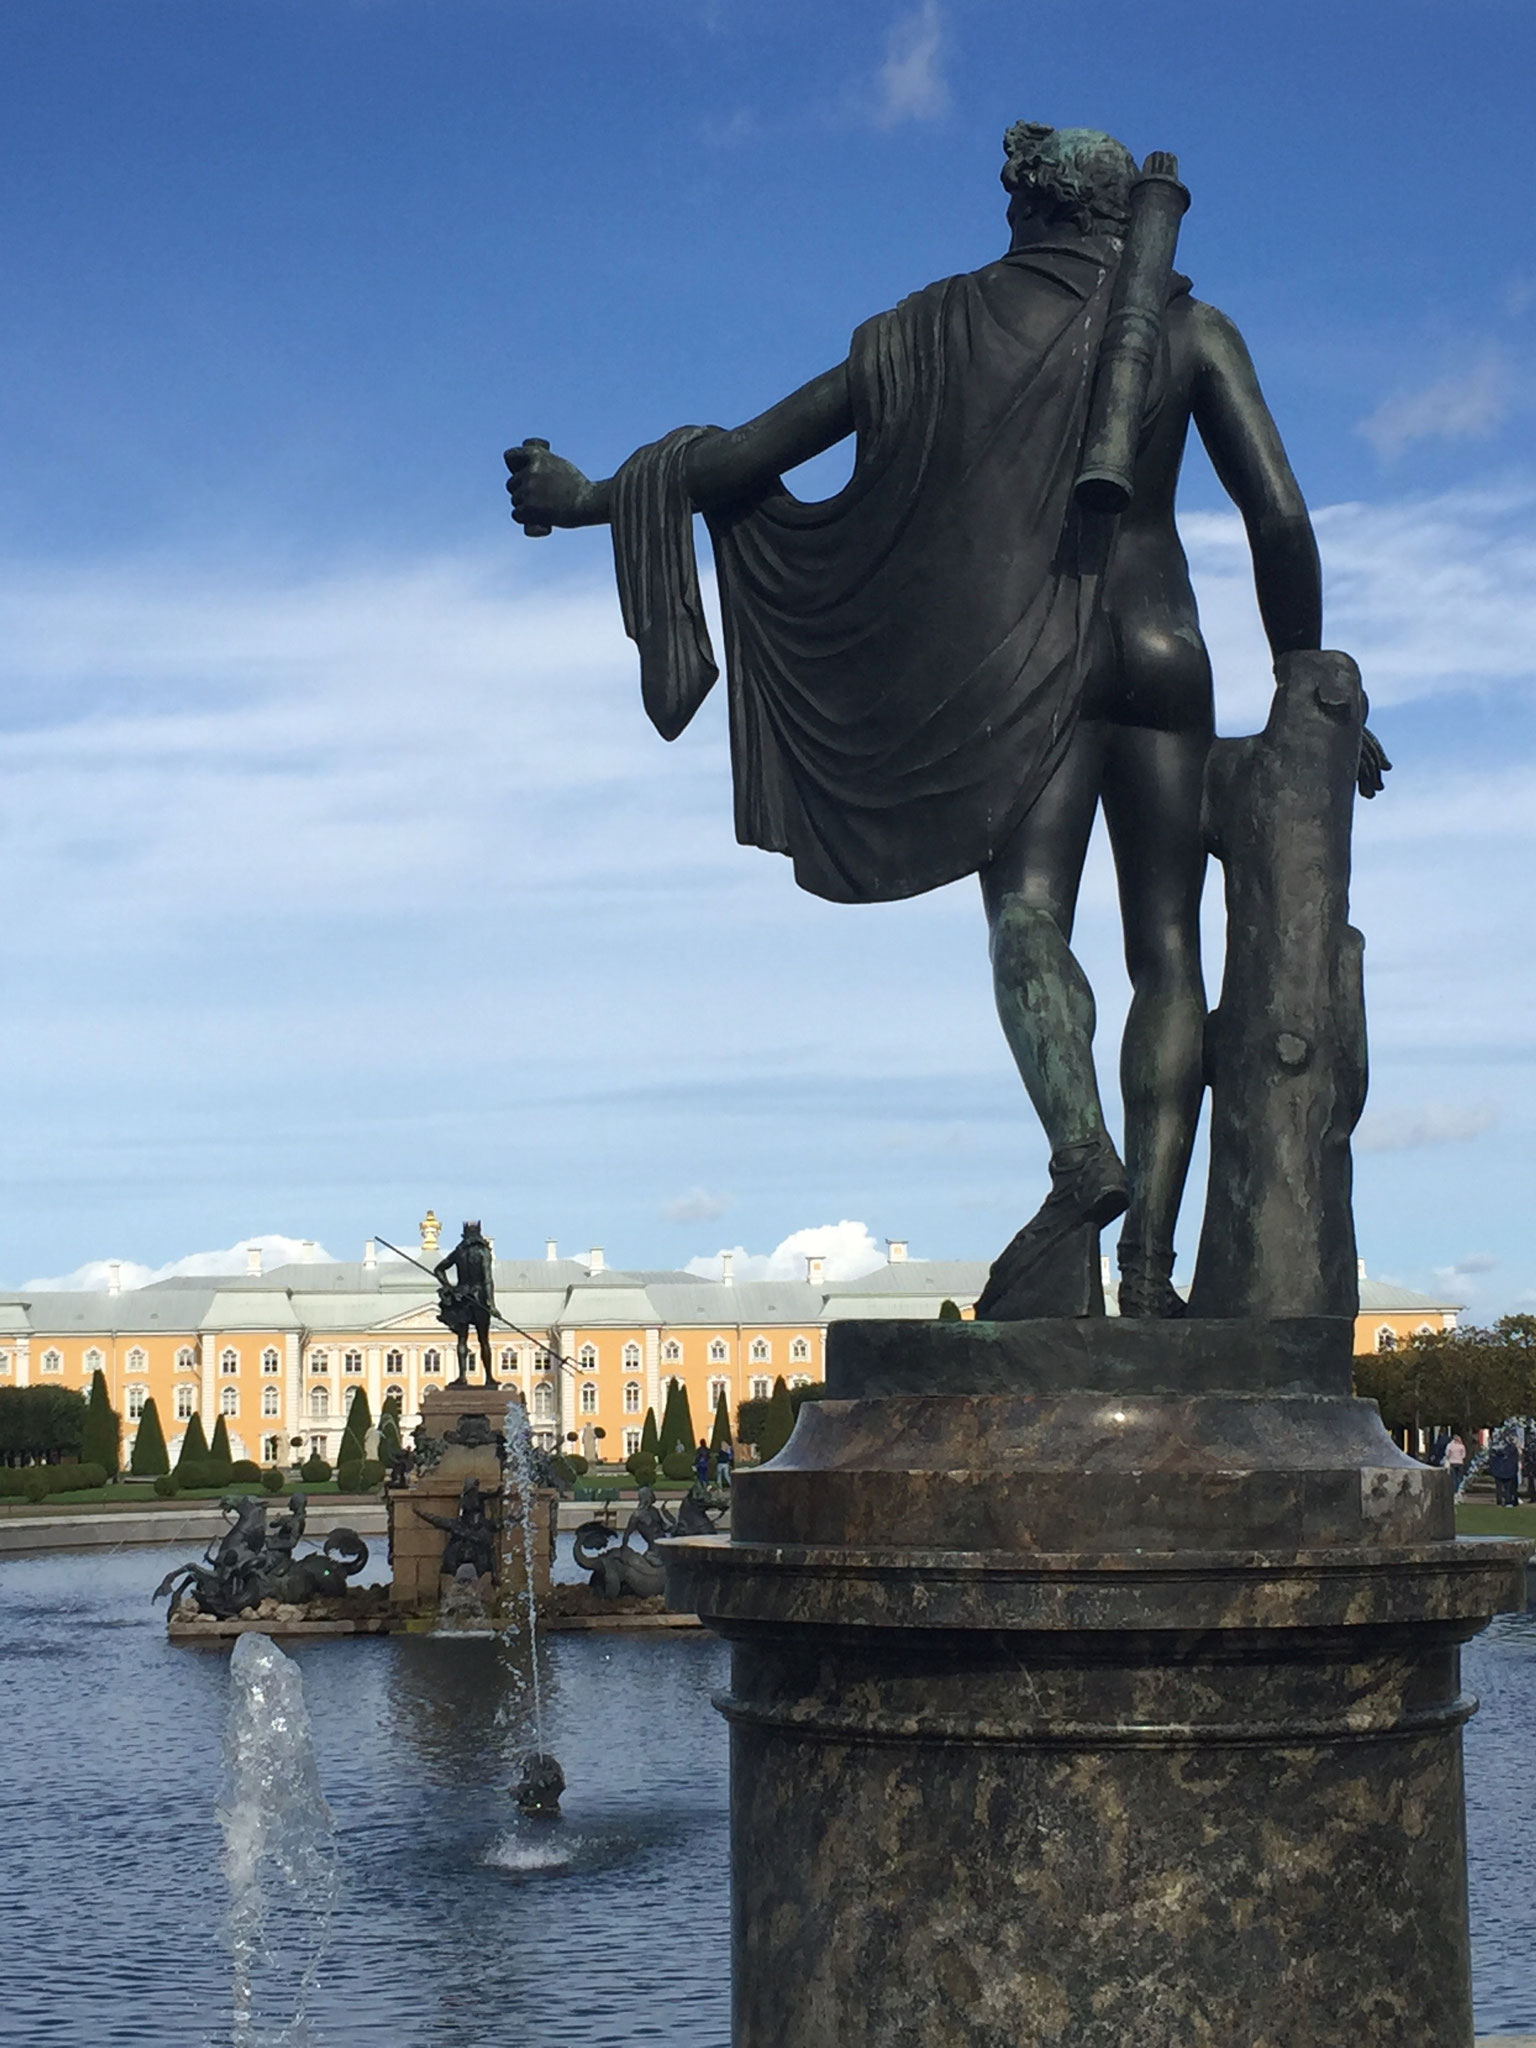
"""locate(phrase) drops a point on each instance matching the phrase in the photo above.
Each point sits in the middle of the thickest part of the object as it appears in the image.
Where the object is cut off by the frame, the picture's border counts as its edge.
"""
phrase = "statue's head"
(471, 1232)
(1076, 178)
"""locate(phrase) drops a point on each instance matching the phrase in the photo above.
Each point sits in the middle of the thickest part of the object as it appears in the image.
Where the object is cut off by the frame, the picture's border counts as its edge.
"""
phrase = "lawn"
(1482, 1518)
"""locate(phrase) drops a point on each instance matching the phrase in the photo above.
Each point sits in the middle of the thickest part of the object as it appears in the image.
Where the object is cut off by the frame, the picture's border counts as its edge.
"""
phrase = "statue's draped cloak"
(906, 658)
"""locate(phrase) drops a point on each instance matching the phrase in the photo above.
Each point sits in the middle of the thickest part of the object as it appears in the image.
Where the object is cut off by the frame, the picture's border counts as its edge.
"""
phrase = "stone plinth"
(416, 1546)
(1096, 1684)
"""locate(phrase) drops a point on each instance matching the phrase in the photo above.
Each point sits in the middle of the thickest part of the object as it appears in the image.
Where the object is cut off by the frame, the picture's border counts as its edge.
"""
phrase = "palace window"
(229, 1361)
(544, 1402)
(716, 1389)
(508, 1358)
(762, 1351)
(229, 1401)
(186, 1402)
(1424, 1330)
(137, 1396)
(672, 1352)
(800, 1351)
(394, 1361)
(319, 1402)
(799, 1379)
(432, 1361)
(5, 1361)
(269, 1360)
(138, 1359)
(53, 1361)
(396, 1394)
(1386, 1338)
(718, 1354)
(319, 1361)
(271, 1401)
(271, 1449)
(631, 1357)
(631, 1397)
(352, 1362)
(94, 1360)
(632, 1443)
(186, 1359)
(761, 1391)
(586, 1358)
(589, 1399)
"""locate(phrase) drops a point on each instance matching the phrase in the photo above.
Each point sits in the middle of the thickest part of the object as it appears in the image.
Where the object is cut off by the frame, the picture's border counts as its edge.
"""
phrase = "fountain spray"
(543, 1780)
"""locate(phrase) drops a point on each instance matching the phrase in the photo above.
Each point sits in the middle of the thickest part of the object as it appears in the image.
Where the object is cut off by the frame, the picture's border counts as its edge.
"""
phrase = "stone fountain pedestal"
(416, 1547)
(1096, 1683)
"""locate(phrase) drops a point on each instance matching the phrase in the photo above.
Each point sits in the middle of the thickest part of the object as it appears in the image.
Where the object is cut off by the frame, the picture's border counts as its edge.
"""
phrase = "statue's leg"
(483, 1332)
(1043, 998)
(463, 1344)
(1152, 791)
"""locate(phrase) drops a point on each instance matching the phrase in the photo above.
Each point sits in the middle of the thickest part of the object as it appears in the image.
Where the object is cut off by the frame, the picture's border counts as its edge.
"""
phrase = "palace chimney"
(595, 1259)
(550, 1252)
(815, 1268)
(114, 1276)
(253, 1261)
(728, 1268)
(896, 1250)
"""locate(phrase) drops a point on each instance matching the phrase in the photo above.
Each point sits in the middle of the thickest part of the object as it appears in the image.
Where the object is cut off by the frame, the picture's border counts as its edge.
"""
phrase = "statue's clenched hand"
(545, 489)
(1370, 778)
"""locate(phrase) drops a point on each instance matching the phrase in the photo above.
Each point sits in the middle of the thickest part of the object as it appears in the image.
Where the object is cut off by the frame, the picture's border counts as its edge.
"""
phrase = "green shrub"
(676, 1424)
(641, 1469)
(678, 1466)
(349, 1478)
(778, 1423)
(272, 1480)
(149, 1458)
(194, 1445)
(220, 1456)
(373, 1475)
(576, 1462)
(650, 1436)
(245, 1472)
(34, 1485)
(798, 1396)
(191, 1474)
(354, 1437)
(721, 1433)
(751, 1420)
(949, 1312)
(102, 1442)
(167, 1485)
(315, 1470)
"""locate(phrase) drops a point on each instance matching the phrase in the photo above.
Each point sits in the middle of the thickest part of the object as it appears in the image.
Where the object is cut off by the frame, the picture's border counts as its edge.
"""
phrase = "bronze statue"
(471, 1533)
(467, 1301)
(948, 667)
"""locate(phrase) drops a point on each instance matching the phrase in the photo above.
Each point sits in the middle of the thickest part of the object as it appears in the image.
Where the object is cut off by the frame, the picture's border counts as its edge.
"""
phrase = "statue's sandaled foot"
(1051, 1267)
(1146, 1286)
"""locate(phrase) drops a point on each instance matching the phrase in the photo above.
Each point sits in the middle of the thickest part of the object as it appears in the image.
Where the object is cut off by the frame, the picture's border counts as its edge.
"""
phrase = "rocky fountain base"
(1096, 1682)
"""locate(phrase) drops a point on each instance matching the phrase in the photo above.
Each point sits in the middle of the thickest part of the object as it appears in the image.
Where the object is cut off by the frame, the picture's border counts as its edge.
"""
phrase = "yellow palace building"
(278, 1354)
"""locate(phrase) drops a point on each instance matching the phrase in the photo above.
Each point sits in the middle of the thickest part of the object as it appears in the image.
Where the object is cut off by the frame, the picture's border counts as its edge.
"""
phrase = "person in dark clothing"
(1528, 1462)
(701, 1463)
(1439, 1447)
(1504, 1464)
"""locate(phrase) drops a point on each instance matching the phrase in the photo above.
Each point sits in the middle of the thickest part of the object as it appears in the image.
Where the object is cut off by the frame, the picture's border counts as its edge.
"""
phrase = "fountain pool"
(457, 1921)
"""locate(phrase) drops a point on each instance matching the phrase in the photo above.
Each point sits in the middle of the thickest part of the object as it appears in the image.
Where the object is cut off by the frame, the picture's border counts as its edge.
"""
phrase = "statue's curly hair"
(1077, 175)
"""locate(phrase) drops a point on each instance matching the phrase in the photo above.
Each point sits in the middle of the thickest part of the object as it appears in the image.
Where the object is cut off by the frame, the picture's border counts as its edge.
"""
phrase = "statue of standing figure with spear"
(467, 1300)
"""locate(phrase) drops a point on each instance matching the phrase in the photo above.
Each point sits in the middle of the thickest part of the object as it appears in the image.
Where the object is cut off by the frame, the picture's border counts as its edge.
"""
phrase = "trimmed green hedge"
(36, 1482)
(315, 1470)
(272, 1480)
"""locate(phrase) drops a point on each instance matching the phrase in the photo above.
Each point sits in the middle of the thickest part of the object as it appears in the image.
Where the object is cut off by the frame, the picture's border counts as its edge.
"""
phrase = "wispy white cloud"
(910, 84)
(697, 1206)
(1464, 405)
(97, 1274)
(1432, 1123)
(848, 1249)
(1473, 1263)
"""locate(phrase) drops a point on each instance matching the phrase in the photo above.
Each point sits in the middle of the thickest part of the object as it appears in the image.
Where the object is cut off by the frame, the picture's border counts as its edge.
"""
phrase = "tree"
(777, 1423)
(102, 1443)
(949, 1312)
(650, 1437)
(220, 1456)
(721, 1434)
(389, 1431)
(39, 1425)
(150, 1459)
(1465, 1379)
(354, 1438)
(194, 1445)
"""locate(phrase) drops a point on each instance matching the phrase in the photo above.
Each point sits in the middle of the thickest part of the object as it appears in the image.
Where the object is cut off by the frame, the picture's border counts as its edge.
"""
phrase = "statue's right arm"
(728, 465)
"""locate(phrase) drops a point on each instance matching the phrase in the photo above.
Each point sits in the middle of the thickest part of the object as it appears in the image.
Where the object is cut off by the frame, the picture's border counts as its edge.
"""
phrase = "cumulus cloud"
(1464, 405)
(1432, 1123)
(910, 84)
(96, 1274)
(1474, 1262)
(848, 1249)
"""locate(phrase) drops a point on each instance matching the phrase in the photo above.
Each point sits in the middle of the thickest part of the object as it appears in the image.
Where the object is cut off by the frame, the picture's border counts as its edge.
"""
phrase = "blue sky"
(344, 873)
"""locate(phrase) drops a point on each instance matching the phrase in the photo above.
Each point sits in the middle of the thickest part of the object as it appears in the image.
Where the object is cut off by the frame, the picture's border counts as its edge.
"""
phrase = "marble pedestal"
(1095, 1684)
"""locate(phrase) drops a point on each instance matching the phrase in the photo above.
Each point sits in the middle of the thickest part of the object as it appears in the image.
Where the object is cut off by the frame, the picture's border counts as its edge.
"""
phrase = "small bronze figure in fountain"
(471, 1533)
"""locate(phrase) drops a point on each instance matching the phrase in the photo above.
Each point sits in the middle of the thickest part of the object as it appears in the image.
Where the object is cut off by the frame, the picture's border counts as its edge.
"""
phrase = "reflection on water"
(459, 1921)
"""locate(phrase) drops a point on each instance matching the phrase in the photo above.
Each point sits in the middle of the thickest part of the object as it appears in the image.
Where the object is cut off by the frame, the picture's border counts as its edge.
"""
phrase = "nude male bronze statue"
(948, 667)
